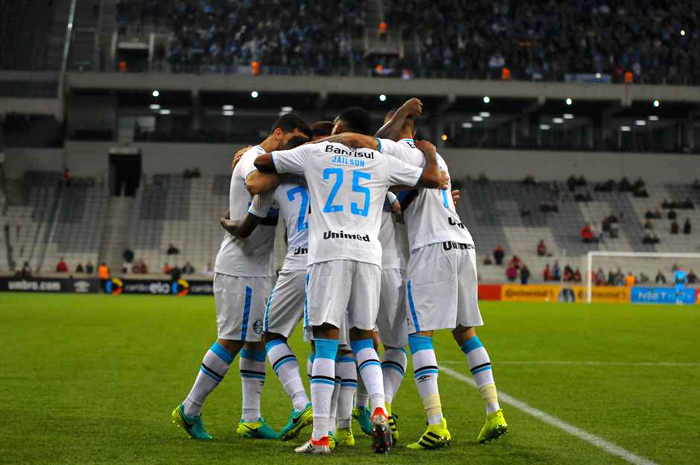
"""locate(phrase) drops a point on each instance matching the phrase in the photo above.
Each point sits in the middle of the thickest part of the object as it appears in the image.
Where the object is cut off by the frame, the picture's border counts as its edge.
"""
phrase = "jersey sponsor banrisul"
(292, 196)
(252, 256)
(347, 188)
(392, 236)
(430, 214)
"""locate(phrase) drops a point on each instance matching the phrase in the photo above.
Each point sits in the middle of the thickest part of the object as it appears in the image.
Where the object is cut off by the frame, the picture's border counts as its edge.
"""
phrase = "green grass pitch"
(93, 379)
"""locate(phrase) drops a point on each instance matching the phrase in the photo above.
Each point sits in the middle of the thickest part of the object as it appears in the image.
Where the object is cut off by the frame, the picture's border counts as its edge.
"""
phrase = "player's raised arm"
(392, 128)
(431, 177)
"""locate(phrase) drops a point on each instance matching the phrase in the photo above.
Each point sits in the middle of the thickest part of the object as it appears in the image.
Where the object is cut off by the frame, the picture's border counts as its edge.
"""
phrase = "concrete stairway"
(115, 237)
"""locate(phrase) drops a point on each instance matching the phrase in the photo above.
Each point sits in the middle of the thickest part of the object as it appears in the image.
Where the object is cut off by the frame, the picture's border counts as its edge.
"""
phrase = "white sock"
(333, 415)
(286, 366)
(322, 385)
(426, 375)
(252, 366)
(480, 366)
(371, 371)
(212, 370)
(394, 364)
(347, 370)
(361, 397)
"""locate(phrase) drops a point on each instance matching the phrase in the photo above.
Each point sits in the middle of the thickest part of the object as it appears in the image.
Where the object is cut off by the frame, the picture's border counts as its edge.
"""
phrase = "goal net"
(653, 274)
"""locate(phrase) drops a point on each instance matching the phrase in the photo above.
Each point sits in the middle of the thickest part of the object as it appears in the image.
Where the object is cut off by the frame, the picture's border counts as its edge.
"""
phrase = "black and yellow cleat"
(435, 437)
(494, 428)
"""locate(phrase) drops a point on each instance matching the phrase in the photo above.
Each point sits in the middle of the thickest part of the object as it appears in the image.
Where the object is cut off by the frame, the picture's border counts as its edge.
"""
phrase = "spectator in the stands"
(650, 237)
(62, 266)
(619, 278)
(688, 204)
(498, 254)
(487, 260)
(89, 268)
(128, 255)
(541, 249)
(577, 276)
(524, 274)
(587, 234)
(511, 272)
(686, 226)
(529, 180)
(649, 215)
(172, 250)
(643, 278)
(625, 185)
(188, 268)
(629, 280)
(672, 215)
(568, 274)
(614, 231)
(167, 268)
(547, 273)
(660, 278)
(79, 268)
(674, 227)
(208, 270)
(67, 176)
(648, 224)
(611, 278)
(692, 277)
(26, 270)
(556, 272)
(516, 262)
(599, 277)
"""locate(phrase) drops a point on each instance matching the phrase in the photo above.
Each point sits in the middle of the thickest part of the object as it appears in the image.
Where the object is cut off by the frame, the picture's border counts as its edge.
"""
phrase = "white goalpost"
(672, 256)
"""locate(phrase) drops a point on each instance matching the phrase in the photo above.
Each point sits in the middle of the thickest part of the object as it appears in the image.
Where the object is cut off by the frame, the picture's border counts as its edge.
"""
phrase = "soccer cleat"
(193, 425)
(345, 437)
(362, 415)
(314, 447)
(494, 428)
(256, 430)
(298, 420)
(435, 437)
(394, 429)
(381, 433)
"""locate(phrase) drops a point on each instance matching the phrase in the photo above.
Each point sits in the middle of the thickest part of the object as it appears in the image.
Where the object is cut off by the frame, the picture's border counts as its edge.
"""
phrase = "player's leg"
(478, 358)
(361, 413)
(347, 370)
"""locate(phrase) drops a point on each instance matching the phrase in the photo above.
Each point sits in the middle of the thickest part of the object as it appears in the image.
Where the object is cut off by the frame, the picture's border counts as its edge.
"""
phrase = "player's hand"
(444, 181)
(426, 147)
(413, 107)
(239, 154)
(455, 197)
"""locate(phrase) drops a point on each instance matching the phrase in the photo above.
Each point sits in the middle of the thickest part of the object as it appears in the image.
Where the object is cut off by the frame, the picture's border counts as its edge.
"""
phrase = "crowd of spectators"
(300, 35)
(655, 42)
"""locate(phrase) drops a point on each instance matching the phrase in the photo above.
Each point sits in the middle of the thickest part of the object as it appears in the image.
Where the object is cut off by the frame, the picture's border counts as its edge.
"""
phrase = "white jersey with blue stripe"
(429, 214)
(293, 200)
(251, 256)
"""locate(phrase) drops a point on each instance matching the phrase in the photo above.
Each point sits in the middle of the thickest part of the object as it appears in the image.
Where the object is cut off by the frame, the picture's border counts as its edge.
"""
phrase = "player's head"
(353, 119)
(408, 130)
(322, 129)
(295, 142)
(288, 126)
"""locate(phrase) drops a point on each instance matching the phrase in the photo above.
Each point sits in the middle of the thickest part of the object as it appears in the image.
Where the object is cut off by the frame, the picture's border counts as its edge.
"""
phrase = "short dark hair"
(357, 120)
(289, 122)
(322, 128)
(295, 142)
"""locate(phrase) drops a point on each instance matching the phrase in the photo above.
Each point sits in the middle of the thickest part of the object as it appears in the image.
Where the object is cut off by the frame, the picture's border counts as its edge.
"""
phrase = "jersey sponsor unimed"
(292, 196)
(347, 188)
(251, 256)
(430, 215)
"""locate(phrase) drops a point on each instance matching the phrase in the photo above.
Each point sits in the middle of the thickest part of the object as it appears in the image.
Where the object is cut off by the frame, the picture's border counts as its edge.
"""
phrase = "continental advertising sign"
(554, 293)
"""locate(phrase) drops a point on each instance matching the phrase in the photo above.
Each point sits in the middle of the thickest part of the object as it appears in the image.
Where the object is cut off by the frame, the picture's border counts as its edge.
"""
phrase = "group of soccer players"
(376, 254)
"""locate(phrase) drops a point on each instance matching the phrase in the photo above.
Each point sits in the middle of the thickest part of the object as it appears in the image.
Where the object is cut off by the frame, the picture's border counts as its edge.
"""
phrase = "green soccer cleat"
(331, 440)
(298, 420)
(494, 428)
(256, 430)
(345, 437)
(362, 415)
(193, 425)
(435, 437)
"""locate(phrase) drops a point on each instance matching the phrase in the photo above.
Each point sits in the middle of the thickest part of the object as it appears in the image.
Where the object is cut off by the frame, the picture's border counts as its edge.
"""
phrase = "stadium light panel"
(227, 107)
(598, 75)
(287, 109)
(557, 120)
(154, 107)
(155, 94)
(544, 127)
(568, 116)
(486, 99)
(569, 101)
(485, 114)
(164, 111)
(656, 103)
(640, 122)
(382, 98)
(444, 137)
(625, 128)
(254, 94)
(477, 118)
(682, 32)
(467, 125)
(228, 112)
(653, 118)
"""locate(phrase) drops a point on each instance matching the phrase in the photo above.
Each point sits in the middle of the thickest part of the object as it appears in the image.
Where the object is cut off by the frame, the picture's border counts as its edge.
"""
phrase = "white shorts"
(343, 292)
(286, 304)
(442, 287)
(240, 304)
(391, 319)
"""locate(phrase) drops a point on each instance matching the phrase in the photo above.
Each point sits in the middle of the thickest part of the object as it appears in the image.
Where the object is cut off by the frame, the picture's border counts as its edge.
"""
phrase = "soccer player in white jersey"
(441, 288)
(243, 279)
(347, 188)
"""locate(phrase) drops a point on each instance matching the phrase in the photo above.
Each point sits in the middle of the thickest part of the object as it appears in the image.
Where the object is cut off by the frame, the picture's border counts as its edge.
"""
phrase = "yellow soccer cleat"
(435, 437)
(331, 441)
(494, 428)
(344, 437)
(256, 430)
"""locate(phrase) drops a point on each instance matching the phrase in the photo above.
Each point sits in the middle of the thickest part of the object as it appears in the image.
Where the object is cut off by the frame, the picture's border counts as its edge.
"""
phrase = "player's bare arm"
(239, 155)
(257, 182)
(351, 139)
(392, 128)
(432, 177)
(264, 163)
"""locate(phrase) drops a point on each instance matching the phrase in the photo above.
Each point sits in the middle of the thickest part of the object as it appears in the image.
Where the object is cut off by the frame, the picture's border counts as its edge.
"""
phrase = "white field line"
(592, 439)
(582, 363)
